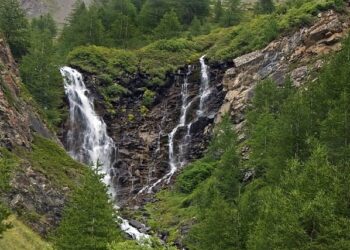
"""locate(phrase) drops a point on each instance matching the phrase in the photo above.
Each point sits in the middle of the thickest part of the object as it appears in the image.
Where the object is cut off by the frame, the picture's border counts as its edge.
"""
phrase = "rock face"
(142, 137)
(298, 56)
(30, 191)
(18, 120)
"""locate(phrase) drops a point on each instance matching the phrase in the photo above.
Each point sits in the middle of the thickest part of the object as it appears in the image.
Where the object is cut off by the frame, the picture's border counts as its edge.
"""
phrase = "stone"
(247, 59)
(329, 28)
(136, 224)
(298, 75)
(295, 55)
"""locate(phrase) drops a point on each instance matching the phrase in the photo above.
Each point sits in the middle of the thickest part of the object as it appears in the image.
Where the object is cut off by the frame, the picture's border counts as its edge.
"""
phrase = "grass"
(21, 237)
(52, 160)
(170, 213)
(8, 164)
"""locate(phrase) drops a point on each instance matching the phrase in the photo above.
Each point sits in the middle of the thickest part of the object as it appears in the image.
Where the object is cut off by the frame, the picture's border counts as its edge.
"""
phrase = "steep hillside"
(299, 57)
(212, 125)
(36, 172)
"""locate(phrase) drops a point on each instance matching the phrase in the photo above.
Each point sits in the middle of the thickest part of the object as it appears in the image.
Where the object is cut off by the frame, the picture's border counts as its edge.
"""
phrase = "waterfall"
(87, 138)
(177, 159)
(205, 89)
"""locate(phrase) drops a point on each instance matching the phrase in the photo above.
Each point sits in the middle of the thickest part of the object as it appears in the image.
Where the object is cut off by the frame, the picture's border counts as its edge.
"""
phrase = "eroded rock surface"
(142, 137)
(297, 56)
(30, 191)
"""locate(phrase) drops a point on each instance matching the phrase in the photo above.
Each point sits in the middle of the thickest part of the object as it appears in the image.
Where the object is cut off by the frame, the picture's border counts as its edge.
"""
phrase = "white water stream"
(178, 159)
(88, 141)
(87, 138)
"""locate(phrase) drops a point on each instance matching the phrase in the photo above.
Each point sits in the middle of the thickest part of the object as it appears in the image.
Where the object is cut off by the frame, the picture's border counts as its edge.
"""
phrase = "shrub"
(195, 174)
(148, 97)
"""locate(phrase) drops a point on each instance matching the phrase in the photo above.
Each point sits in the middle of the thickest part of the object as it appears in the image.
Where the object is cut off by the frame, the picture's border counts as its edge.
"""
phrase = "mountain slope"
(36, 171)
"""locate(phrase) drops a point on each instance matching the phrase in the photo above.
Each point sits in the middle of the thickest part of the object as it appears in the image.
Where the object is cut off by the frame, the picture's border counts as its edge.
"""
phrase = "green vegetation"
(39, 70)
(89, 219)
(152, 244)
(297, 196)
(119, 40)
(53, 161)
(20, 237)
(297, 193)
(14, 27)
(164, 56)
(8, 164)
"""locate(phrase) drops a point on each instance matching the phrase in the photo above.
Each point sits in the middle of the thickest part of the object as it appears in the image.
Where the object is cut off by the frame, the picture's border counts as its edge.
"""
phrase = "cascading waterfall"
(174, 159)
(87, 138)
(179, 160)
(205, 89)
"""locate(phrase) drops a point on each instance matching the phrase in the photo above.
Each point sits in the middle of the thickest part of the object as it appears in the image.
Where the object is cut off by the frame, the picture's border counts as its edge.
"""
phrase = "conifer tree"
(39, 69)
(196, 27)
(89, 221)
(14, 27)
(265, 6)
(169, 26)
(218, 11)
(232, 13)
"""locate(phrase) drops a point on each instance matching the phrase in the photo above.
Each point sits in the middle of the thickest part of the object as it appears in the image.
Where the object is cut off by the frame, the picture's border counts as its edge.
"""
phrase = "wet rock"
(143, 138)
(137, 224)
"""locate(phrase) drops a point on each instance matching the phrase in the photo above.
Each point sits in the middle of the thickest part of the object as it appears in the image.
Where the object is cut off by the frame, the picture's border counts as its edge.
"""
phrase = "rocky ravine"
(142, 139)
(30, 191)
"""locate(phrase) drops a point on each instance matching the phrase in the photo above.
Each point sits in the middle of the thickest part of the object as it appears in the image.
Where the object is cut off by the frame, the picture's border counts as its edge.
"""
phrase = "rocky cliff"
(298, 56)
(142, 135)
(29, 190)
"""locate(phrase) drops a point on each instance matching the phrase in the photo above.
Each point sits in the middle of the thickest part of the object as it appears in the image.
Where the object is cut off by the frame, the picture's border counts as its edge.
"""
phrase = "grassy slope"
(48, 158)
(20, 237)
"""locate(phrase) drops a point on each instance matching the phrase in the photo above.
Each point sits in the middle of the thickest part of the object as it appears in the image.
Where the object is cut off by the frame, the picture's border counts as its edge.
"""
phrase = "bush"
(195, 174)
(148, 98)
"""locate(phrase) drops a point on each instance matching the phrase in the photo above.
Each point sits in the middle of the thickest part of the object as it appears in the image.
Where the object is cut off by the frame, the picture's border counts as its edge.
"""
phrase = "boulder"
(248, 59)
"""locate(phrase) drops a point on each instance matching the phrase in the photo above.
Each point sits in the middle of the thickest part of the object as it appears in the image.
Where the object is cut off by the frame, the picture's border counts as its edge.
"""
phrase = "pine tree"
(218, 11)
(187, 10)
(14, 27)
(335, 130)
(84, 28)
(88, 221)
(196, 27)
(152, 12)
(265, 6)
(45, 23)
(39, 70)
(169, 26)
(232, 13)
(218, 229)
